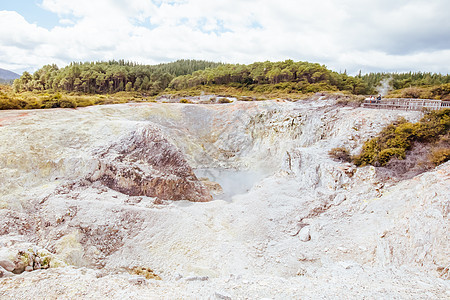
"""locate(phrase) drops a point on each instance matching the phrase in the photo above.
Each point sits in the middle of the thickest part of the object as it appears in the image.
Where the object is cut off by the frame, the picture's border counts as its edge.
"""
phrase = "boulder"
(137, 280)
(7, 265)
(223, 295)
(304, 235)
(145, 163)
(4, 273)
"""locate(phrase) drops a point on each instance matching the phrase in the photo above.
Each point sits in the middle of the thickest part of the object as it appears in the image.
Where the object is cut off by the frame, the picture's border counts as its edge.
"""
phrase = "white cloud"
(66, 22)
(16, 31)
(347, 34)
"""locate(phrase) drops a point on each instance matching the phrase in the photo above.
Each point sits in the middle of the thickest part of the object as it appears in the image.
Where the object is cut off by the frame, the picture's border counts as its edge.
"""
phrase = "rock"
(138, 280)
(178, 277)
(339, 199)
(348, 264)
(37, 260)
(197, 278)
(28, 268)
(4, 273)
(31, 260)
(7, 265)
(304, 234)
(214, 187)
(301, 272)
(222, 295)
(145, 163)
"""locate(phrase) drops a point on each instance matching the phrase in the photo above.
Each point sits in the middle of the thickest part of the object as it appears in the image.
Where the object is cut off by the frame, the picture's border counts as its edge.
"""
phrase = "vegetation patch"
(340, 154)
(395, 140)
(50, 99)
(146, 272)
(440, 155)
(224, 100)
(350, 100)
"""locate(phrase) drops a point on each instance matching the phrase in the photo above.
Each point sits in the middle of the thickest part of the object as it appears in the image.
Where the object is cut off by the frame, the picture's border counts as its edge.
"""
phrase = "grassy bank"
(40, 100)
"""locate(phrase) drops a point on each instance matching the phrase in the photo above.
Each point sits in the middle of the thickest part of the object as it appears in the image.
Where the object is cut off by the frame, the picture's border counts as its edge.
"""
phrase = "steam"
(233, 182)
(384, 87)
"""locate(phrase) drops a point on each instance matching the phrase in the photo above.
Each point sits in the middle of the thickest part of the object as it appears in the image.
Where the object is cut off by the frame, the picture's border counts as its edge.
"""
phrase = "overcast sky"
(352, 35)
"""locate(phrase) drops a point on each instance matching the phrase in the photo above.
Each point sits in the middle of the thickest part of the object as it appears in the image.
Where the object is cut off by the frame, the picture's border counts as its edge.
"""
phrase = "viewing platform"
(406, 104)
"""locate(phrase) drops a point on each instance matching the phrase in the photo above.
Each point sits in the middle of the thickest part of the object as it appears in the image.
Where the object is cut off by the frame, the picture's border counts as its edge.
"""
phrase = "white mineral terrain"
(220, 201)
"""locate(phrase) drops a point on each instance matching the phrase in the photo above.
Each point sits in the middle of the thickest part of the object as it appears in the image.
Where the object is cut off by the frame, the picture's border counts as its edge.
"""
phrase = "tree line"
(116, 76)
(268, 76)
(107, 77)
(287, 76)
(404, 80)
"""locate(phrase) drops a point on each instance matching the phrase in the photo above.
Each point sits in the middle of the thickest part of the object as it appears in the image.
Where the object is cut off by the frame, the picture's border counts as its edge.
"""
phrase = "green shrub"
(439, 156)
(57, 100)
(67, 103)
(100, 100)
(83, 102)
(433, 125)
(225, 100)
(385, 155)
(9, 104)
(49, 103)
(398, 138)
(368, 154)
(33, 104)
(442, 92)
(245, 98)
(401, 135)
(412, 92)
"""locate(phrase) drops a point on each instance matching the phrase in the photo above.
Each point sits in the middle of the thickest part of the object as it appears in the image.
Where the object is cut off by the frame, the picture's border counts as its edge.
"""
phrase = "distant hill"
(7, 76)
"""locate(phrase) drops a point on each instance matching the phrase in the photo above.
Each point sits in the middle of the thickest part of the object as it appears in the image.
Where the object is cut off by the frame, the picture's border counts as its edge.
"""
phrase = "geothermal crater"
(231, 201)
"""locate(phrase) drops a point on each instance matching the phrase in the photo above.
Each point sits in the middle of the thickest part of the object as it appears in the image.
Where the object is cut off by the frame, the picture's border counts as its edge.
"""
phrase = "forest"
(107, 77)
(117, 76)
(287, 76)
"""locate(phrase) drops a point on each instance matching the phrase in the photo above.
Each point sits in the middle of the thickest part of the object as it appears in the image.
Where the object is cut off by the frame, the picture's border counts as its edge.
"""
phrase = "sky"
(344, 35)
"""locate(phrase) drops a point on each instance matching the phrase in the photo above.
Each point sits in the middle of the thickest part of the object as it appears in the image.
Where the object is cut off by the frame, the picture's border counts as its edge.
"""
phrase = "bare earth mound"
(145, 163)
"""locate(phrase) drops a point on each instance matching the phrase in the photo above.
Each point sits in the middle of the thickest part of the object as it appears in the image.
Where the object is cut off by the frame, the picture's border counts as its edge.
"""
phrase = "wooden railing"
(406, 104)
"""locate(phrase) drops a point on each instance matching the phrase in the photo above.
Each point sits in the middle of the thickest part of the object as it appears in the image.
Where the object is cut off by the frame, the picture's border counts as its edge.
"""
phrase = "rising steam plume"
(384, 87)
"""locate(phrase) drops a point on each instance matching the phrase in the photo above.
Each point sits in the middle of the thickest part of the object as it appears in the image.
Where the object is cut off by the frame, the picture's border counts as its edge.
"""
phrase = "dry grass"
(340, 154)
(37, 100)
